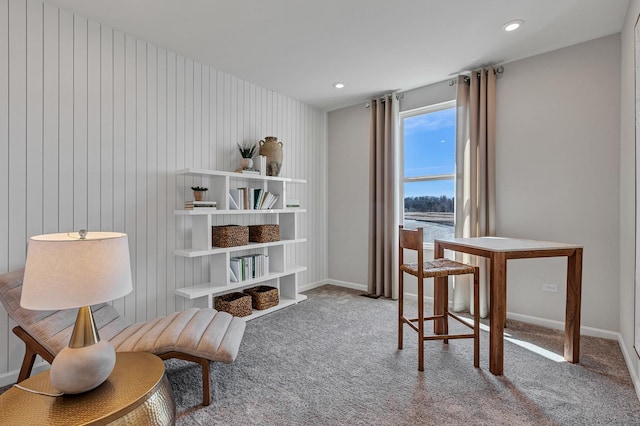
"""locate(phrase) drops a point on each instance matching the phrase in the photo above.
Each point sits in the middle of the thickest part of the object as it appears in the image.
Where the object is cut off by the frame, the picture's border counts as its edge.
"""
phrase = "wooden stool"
(412, 240)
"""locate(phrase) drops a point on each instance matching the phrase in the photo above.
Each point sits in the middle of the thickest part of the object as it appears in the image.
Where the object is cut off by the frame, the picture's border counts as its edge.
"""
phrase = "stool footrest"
(410, 323)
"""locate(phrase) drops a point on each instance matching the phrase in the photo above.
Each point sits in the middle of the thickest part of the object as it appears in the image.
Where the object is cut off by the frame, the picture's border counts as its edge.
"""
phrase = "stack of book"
(248, 267)
(196, 205)
(251, 199)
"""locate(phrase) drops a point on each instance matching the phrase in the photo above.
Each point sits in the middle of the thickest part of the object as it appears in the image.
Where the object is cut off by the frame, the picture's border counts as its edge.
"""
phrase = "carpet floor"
(333, 360)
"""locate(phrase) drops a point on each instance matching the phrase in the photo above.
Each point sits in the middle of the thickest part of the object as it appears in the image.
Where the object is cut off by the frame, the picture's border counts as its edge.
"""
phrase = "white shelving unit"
(283, 274)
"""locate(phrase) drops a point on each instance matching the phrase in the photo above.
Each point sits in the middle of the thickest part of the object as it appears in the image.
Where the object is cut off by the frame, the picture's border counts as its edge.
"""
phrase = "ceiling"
(299, 48)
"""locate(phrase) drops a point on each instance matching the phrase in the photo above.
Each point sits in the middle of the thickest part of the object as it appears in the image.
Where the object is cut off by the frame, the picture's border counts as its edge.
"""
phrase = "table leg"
(439, 326)
(497, 312)
(572, 317)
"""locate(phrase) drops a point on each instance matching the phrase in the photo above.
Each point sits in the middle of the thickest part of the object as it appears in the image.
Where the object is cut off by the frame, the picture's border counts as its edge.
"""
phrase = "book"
(265, 196)
(251, 172)
(244, 198)
(232, 203)
(192, 205)
(246, 272)
(200, 203)
(238, 197)
(270, 200)
(235, 263)
(257, 197)
(232, 275)
(293, 203)
(267, 200)
(250, 198)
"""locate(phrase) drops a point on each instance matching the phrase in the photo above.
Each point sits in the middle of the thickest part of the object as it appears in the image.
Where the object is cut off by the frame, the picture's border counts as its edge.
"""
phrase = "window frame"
(426, 178)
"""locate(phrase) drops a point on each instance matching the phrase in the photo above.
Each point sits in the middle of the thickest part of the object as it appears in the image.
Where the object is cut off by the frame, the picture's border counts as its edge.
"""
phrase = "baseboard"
(311, 286)
(559, 325)
(346, 284)
(11, 377)
(629, 360)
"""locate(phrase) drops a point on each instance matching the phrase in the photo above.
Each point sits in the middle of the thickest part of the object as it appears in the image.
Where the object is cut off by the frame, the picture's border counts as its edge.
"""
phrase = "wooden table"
(499, 250)
(136, 392)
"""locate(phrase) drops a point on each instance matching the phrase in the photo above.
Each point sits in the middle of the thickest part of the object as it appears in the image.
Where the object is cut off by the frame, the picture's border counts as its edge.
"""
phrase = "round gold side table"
(136, 392)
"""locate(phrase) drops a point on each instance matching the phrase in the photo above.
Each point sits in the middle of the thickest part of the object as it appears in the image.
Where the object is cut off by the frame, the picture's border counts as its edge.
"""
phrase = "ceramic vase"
(272, 149)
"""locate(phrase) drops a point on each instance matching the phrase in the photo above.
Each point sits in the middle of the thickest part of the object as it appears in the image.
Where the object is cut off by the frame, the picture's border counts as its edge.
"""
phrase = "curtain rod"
(384, 98)
(400, 95)
(498, 70)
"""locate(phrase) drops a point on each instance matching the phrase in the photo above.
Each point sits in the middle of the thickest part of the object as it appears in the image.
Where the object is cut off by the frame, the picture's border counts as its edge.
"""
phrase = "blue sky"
(429, 149)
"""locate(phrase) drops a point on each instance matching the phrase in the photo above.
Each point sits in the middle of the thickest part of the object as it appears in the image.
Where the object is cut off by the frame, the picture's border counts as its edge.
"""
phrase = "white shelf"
(219, 173)
(201, 220)
(283, 304)
(220, 250)
(212, 289)
(199, 212)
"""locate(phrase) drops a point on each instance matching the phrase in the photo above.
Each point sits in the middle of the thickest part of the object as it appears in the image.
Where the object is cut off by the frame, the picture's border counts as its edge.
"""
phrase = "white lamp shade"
(64, 271)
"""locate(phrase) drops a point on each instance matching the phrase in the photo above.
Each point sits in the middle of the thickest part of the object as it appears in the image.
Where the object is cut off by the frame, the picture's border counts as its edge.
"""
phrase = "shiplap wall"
(94, 122)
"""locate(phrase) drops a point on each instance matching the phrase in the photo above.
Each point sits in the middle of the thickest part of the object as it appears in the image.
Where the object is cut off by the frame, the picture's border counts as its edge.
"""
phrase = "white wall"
(628, 190)
(348, 195)
(557, 173)
(557, 156)
(94, 122)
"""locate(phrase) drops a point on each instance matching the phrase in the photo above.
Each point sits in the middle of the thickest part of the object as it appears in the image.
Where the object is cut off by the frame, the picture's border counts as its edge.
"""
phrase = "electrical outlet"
(553, 288)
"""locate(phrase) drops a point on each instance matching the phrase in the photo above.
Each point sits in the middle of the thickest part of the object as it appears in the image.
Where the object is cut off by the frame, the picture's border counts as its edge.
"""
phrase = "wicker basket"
(237, 304)
(263, 297)
(264, 233)
(229, 236)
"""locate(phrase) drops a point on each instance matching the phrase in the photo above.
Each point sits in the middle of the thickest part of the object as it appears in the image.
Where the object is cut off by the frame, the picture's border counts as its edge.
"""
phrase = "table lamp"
(77, 270)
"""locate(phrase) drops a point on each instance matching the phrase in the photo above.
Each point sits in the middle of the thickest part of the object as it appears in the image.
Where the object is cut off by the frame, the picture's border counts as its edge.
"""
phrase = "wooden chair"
(412, 240)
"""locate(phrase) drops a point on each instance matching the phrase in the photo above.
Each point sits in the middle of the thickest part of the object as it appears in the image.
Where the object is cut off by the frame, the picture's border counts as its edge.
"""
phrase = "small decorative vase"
(198, 195)
(272, 149)
(246, 163)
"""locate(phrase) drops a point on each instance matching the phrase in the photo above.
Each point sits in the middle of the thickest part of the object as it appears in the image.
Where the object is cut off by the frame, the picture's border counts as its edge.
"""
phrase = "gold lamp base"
(87, 362)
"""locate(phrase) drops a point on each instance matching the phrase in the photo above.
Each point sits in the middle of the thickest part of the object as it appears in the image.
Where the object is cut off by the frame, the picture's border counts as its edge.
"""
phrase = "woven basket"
(264, 233)
(263, 297)
(229, 236)
(237, 304)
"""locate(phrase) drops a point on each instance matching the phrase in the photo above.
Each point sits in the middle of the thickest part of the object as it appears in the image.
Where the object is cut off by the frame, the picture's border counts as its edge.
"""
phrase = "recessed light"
(338, 85)
(512, 25)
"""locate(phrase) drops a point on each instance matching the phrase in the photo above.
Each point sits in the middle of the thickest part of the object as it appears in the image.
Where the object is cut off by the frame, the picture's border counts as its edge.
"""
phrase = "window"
(429, 165)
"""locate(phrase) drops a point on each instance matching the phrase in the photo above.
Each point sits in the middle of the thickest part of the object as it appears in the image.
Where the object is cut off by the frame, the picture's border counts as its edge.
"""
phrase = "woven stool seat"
(438, 268)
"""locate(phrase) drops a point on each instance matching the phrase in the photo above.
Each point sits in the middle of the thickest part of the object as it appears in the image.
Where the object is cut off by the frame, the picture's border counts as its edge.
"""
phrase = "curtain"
(475, 175)
(383, 193)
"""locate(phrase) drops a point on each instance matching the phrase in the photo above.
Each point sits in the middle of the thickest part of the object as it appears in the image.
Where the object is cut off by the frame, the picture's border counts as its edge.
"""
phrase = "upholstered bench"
(197, 335)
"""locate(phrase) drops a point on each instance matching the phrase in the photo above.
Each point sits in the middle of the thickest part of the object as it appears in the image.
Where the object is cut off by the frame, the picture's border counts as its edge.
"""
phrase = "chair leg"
(476, 317)
(445, 307)
(400, 308)
(27, 364)
(206, 375)
(206, 382)
(32, 348)
(420, 323)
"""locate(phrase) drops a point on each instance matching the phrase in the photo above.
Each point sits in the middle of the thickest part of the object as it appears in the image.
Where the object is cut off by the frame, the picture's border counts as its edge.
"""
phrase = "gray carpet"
(332, 360)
